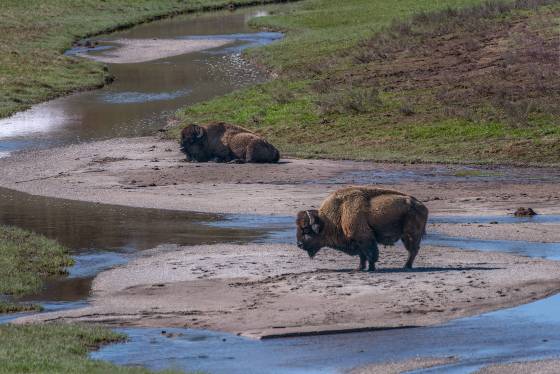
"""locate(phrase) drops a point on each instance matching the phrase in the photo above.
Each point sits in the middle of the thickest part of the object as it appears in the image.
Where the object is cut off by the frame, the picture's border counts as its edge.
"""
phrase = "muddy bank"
(150, 172)
(275, 290)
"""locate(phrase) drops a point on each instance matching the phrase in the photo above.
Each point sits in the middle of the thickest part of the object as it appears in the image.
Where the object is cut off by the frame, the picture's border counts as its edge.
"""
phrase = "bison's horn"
(311, 218)
(314, 225)
(199, 132)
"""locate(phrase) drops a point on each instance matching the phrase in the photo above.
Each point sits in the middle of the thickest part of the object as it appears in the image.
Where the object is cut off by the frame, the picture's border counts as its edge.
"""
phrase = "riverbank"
(265, 291)
(58, 349)
(433, 85)
(33, 67)
(151, 173)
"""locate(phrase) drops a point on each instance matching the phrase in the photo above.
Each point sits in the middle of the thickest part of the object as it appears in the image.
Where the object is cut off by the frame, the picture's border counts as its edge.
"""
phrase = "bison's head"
(193, 142)
(309, 231)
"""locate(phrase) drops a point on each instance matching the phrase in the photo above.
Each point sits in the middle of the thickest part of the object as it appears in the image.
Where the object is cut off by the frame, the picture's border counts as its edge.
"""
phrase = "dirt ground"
(276, 290)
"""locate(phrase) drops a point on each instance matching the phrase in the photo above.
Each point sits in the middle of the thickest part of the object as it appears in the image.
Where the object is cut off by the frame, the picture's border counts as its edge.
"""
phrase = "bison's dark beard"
(312, 252)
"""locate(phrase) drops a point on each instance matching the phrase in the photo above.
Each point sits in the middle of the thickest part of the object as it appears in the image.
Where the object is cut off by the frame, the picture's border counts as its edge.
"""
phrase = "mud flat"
(542, 367)
(142, 50)
(403, 366)
(275, 290)
(150, 172)
(531, 232)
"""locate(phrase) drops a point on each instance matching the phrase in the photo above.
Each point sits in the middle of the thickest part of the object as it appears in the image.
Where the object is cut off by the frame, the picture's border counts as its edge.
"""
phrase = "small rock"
(524, 212)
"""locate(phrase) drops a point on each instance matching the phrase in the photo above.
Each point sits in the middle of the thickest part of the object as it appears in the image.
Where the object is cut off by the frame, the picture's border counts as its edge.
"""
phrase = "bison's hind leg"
(412, 246)
(413, 231)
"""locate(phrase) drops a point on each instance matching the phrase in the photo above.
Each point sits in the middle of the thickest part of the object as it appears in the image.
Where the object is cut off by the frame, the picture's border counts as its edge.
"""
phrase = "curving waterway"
(101, 236)
(144, 95)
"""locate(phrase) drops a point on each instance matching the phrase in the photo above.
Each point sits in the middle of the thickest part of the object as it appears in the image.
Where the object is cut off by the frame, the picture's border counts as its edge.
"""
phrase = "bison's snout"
(300, 245)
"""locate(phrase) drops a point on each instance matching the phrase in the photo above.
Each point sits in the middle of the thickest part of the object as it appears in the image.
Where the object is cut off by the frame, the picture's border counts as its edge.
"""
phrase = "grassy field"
(406, 81)
(56, 349)
(33, 35)
(25, 260)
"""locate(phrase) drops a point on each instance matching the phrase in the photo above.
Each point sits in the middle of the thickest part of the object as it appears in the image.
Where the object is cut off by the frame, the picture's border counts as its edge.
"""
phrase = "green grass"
(33, 35)
(325, 102)
(25, 260)
(55, 348)
(8, 307)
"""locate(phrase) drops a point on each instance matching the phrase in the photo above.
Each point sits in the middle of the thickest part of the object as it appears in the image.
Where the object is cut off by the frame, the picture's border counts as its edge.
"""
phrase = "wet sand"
(541, 367)
(265, 291)
(151, 173)
(531, 232)
(130, 51)
(403, 366)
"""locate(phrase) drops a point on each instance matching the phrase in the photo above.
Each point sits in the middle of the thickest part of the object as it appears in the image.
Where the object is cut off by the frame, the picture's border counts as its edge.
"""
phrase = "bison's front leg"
(372, 256)
(362, 265)
(367, 252)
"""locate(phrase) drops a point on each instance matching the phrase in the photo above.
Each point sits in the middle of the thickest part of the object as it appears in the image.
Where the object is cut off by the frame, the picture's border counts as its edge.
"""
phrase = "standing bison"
(354, 219)
(223, 142)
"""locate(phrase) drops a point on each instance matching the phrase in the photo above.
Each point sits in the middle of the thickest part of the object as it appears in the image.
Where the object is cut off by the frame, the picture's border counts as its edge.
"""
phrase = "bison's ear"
(314, 221)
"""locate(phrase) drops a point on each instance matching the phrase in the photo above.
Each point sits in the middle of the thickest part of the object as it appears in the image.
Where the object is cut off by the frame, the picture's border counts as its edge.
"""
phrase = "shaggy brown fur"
(354, 219)
(223, 142)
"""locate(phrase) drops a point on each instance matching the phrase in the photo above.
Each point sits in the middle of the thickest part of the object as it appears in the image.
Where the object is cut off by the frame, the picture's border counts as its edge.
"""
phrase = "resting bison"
(354, 219)
(222, 142)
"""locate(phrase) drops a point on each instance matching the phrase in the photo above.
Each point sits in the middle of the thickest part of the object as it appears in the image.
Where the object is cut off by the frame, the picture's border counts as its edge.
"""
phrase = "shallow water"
(541, 218)
(143, 95)
(519, 247)
(101, 236)
(529, 331)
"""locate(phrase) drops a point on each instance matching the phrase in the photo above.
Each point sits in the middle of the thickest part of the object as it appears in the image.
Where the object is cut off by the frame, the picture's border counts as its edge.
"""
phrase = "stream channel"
(101, 236)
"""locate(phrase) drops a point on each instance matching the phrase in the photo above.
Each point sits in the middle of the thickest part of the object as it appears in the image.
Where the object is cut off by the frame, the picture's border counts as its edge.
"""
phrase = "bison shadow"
(428, 269)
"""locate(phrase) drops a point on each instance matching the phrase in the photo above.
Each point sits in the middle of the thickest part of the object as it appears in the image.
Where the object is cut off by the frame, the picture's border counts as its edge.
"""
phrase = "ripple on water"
(141, 97)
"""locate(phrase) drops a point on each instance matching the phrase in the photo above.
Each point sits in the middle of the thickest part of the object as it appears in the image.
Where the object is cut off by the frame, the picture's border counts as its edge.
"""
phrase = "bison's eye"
(307, 231)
